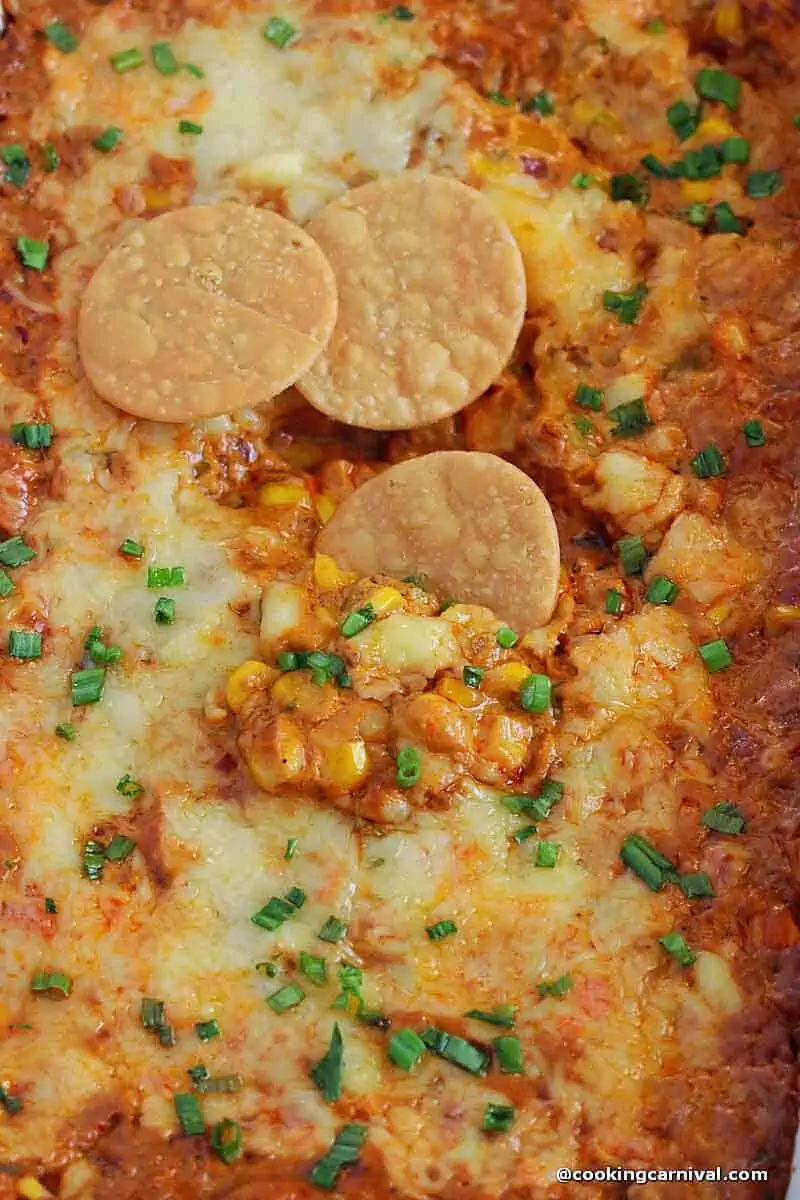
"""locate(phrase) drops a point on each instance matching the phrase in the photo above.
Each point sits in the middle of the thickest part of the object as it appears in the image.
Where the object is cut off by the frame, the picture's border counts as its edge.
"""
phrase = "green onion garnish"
(189, 127)
(754, 434)
(716, 655)
(708, 462)
(108, 140)
(60, 36)
(126, 60)
(724, 818)
(632, 554)
(441, 929)
(15, 553)
(581, 180)
(713, 84)
(648, 863)
(556, 987)
(350, 980)
(327, 1073)
(279, 32)
(357, 621)
(589, 397)
(630, 418)
(129, 787)
(522, 835)
(343, 1153)
(296, 897)
(286, 997)
(656, 27)
(50, 905)
(508, 1049)
(93, 859)
(51, 981)
(661, 590)
(164, 60)
(219, 1083)
(10, 1103)
(629, 187)
(456, 1050)
(226, 1140)
(50, 157)
(499, 98)
(705, 163)
(24, 645)
(683, 119)
(762, 184)
(31, 435)
(506, 638)
(273, 914)
(724, 219)
(735, 150)
(403, 13)
(206, 1030)
(193, 69)
(33, 253)
(6, 585)
(502, 1015)
(405, 1049)
(696, 886)
(675, 944)
(164, 611)
(626, 306)
(314, 967)
(18, 165)
(270, 969)
(535, 693)
(498, 1118)
(472, 676)
(87, 686)
(131, 549)
(119, 848)
(614, 602)
(333, 930)
(540, 103)
(166, 577)
(658, 169)
(189, 1114)
(409, 767)
(152, 1013)
(291, 849)
(547, 854)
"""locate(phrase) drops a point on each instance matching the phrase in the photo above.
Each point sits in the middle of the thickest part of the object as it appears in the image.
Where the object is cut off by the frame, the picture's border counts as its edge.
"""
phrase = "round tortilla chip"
(204, 310)
(431, 301)
(476, 527)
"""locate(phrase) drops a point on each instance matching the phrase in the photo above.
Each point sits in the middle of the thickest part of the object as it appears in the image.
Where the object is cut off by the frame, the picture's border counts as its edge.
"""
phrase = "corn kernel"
(385, 600)
(507, 741)
(327, 575)
(728, 18)
(325, 506)
(31, 1189)
(719, 612)
(343, 765)
(714, 127)
(781, 616)
(280, 495)
(459, 693)
(504, 681)
(243, 682)
(696, 191)
(156, 199)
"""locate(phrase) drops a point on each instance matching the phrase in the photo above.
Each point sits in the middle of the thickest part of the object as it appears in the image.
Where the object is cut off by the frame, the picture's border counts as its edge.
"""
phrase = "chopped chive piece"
(108, 140)
(472, 676)
(94, 859)
(441, 929)
(333, 930)
(87, 686)
(629, 187)
(291, 849)
(286, 997)
(405, 1049)
(129, 787)
(656, 26)
(206, 1030)
(167, 1035)
(33, 253)
(273, 914)
(724, 220)
(535, 693)
(626, 306)
(502, 1015)
(796, 121)
(287, 660)
(614, 602)
(541, 103)
(589, 397)
(15, 553)
(343, 1153)
(152, 1013)
(164, 611)
(547, 854)
(270, 969)
(327, 1073)
(11, 1104)
(697, 214)
(296, 897)
(506, 638)
(50, 157)
(193, 69)
(314, 967)
(696, 886)
(24, 645)
(6, 585)
(50, 905)
(762, 184)
(226, 1140)
(166, 577)
(31, 435)
(198, 1074)
(131, 549)
(630, 418)
(498, 1118)
(556, 987)
(583, 425)
(754, 434)
(716, 655)
(581, 180)
(661, 590)
(60, 36)
(632, 554)
(189, 127)
(18, 165)
(350, 980)
(456, 1050)
(522, 835)
(675, 944)
(164, 60)
(705, 163)
(657, 168)
(51, 981)
(735, 150)
(126, 60)
(357, 621)
(724, 818)
(279, 32)
(189, 1114)
(713, 84)
(683, 119)
(119, 848)
(648, 863)
(220, 1083)
(403, 13)
(508, 1049)
(499, 98)
(409, 767)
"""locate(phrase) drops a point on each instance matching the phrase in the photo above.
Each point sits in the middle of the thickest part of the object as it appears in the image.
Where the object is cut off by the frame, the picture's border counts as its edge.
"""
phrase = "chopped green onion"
(357, 621)
(658, 169)
(343, 1153)
(327, 1073)
(762, 184)
(50, 905)
(540, 103)
(226, 1140)
(166, 577)
(409, 767)
(279, 32)
(661, 590)
(713, 84)
(273, 914)
(314, 967)
(614, 602)
(270, 969)
(33, 253)
(735, 150)
(50, 157)
(15, 553)
(724, 220)
(6, 585)
(696, 886)
(189, 127)
(51, 981)
(656, 26)
(535, 693)
(502, 1015)
(708, 462)
(31, 435)
(164, 611)
(724, 818)
(716, 655)
(405, 1049)
(11, 1104)
(499, 98)
(626, 306)
(128, 786)
(193, 69)
(705, 163)
(131, 549)
(632, 554)
(796, 121)
(333, 930)
(152, 1013)
(24, 645)
(697, 214)
(403, 13)
(629, 187)
(296, 897)
(498, 1118)
(291, 849)
(60, 36)
(589, 397)
(17, 163)
(189, 1114)
(648, 863)
(119, 848)
(456, 1050)
(94, 859)
(508, 1049)
(441, 929)
(754, 434)
(547, 854)
(219, 1083)
(286, 997)
(206, 1030)
(630, 418)
(683, 119)
(556, 987)
(198, 1074)
(581, 180)
(87, 686)
(506, 638)
(164, 60)
(108, 140)
(521, 835)
(583, 425)
(167, 1035)
(675, 944)
(472, 676)
(350, 979)
(126, 60)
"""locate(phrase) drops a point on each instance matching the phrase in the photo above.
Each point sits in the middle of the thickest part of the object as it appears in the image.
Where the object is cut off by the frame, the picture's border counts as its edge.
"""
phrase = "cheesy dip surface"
(312, 882)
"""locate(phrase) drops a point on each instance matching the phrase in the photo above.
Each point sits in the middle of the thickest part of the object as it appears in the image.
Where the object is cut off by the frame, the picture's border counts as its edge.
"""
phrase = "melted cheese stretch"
(174, 922)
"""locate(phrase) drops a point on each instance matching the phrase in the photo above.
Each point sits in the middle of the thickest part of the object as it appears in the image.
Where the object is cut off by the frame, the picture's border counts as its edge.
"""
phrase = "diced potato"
(276, 756)
(405, 644)
(282, 606)
(715, 982)
(704, 559)
(506, 740)
(639, 494)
